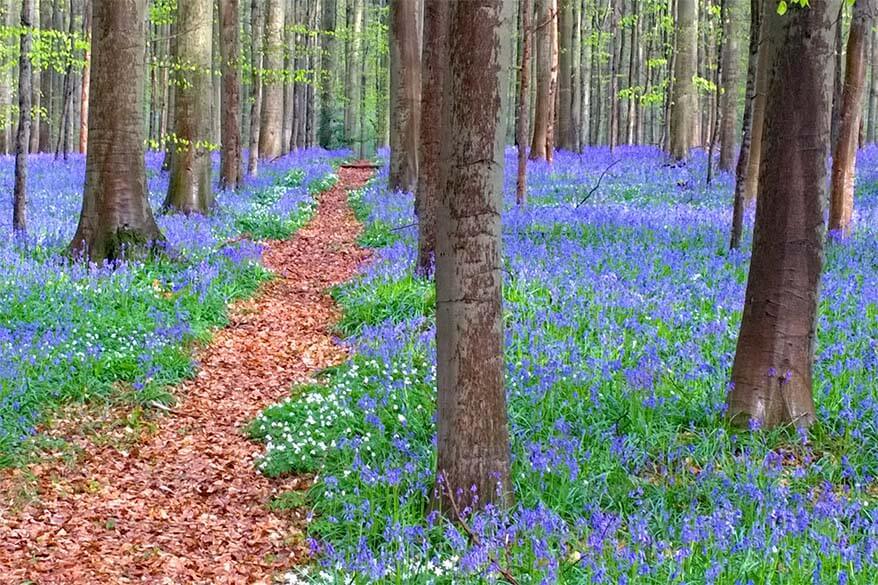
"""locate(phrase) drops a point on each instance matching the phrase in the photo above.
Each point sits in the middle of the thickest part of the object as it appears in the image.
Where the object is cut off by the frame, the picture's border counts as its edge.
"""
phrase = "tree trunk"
(575, 81)
(353, 52)
(730, 58)
(230, 159)
(189, 187)
(758, 124)
(565, 76)
(873, 91)
(553, 81)
(542, 109)
(718, 82)
(844, 156)
(257, 25)
(434, 71)
(270, 134)
(524, 81)
(772, 371)
(22, 139)
(86, 75)
(741, 169)
(116, 216)
(327, 44)
(684, 104)
(405, 74)
(288, 138)
(635, 56)
(585, 73)
(837, 87)
(473, 457)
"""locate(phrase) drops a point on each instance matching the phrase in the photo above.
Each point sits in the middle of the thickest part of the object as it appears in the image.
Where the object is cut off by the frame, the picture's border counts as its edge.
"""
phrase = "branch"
(403, 227)
(597, 186)
(507, 576)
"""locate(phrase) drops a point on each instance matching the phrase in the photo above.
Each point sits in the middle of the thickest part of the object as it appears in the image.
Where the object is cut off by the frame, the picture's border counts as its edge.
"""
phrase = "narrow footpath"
(185, 505)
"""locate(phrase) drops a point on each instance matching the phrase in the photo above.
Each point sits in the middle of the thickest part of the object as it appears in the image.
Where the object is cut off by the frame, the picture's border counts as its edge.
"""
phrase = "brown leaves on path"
(185, 504)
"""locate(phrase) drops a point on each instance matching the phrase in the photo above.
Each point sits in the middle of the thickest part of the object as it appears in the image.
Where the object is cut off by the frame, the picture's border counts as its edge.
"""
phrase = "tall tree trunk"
(553, 81)
(66, 97)
(256, 27)
(6, 91)
(838, 84)
(741, 169)
(526, 12)
(758, 124)
(844, 156)
(405, 75)
(353, 52)
(873, 91)
(37, 86)
(585, 72)
(116, 216)
(718, 82)
(270, 134)
(230, 159)
(730, 59)
(22, 139)
(635, 56)
(327, 45)
(565, 76)
(575, 80)
(473, 456)
(189, 186)
(772, 371)
(542, 109)
(86, 75)
(684, 104)
(435, 70)
(288, 138)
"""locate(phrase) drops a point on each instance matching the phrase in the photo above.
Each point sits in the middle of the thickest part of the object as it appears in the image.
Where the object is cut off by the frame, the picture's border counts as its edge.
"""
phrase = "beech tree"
(256, 29)
(22, 139)
(189, 186)
(684, 101)
(116, 216)
(405, 90)
(472, 428)
(844, 155)
(526, 9)
(270, 133)
(435, 68)
(565, 76)
(729, 100)
(542, 118)
(230, 162)
(772, 371)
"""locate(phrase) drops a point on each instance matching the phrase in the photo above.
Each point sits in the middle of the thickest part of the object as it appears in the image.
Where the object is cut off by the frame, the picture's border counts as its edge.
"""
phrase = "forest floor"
(177, 499)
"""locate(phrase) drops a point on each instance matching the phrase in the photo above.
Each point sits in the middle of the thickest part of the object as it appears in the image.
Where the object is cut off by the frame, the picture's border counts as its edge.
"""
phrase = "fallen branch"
(404, 227)
(597, 186)
(504, 572)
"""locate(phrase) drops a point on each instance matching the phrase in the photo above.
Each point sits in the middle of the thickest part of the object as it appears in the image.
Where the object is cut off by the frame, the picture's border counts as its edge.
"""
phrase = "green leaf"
(782, 7)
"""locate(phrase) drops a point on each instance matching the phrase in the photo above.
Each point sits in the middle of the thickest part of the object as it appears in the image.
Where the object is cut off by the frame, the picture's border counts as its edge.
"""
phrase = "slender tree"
(565, 76)
(472, 429)
(758, 122)
(22, 139)
(684, 104)
(327, 44)
(189, 186)
(405, 90)
(256, 26)
(772, 371)
(115, 210)
(730, 81)
(526, 10)
(86, 75)
(542, 109)
(743, 165)
(230, 160)
(270, 134)
(435, 69)
(844, 156)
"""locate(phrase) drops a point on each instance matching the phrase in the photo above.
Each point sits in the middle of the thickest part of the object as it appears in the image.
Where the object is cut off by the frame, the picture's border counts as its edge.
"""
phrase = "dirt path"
(185, 504)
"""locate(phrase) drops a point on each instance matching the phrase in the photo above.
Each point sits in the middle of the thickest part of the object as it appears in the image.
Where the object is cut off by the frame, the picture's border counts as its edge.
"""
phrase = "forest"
(438, 292)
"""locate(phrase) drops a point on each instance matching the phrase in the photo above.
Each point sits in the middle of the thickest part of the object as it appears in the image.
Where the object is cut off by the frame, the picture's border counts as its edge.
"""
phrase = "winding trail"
(185, 505)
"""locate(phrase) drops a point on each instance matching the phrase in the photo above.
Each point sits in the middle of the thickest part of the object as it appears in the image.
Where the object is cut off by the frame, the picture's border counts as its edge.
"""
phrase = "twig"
(504, 572)
(160, 406)
(597, 186)
(403, 227)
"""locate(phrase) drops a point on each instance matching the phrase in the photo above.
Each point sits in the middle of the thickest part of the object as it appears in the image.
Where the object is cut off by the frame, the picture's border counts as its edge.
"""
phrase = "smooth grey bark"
(116, 217)
(270, 134)
(772, 371)
(473, 458)
(730, 60)
(684, 103)
(189, 186)
(230, 157)
(565, 76)
(22, 139)
(327, 68)
(256, 29)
